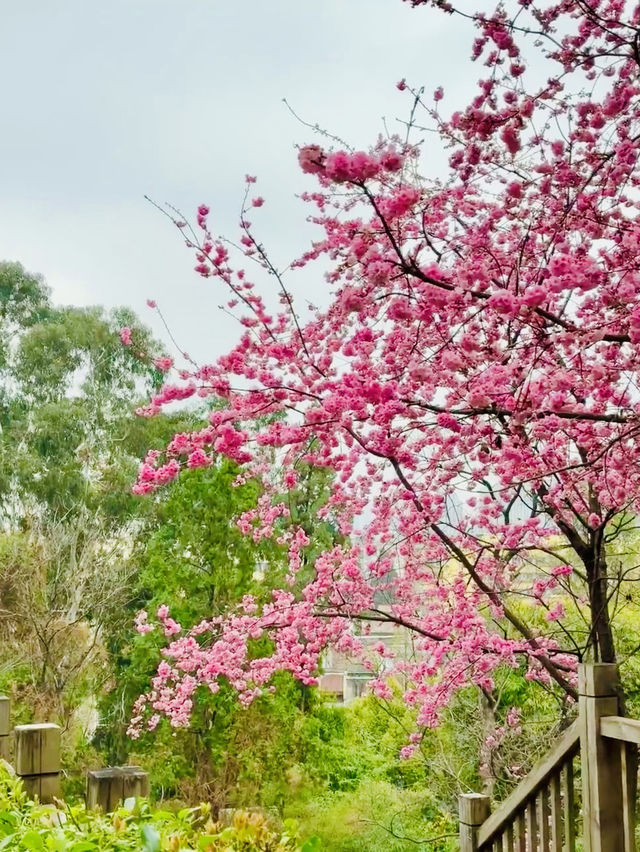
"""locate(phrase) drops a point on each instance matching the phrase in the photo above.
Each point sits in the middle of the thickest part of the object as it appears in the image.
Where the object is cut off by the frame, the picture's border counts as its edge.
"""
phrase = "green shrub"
(25, 825)
(377, 817)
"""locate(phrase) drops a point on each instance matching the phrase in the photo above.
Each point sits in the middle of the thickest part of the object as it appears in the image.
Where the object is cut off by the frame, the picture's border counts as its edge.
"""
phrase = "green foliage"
(195, 559)
(68, 440)
(70, 391)
(69, 449)
(24, 301)
(25, 825)
(341, 747)
(377, 817)
(80, 555)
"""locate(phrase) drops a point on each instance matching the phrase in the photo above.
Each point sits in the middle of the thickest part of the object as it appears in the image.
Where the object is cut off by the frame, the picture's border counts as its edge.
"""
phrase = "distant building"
(346, 678)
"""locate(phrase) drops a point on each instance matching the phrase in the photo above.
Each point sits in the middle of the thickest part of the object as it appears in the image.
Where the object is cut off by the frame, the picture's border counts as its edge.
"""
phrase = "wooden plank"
(104, 787)
(42, 787)
(598, 680)
(473, 810)
(568, 796)
(135, 782)
(49, 788)
(5, 712)
(37, 749)
(543, 818)
(107, 788)
(520, 833)
(620, 728)
(556, 814)
(507, 839)
(629, 768)
(603, 825)
(532, 826)
(566, 746)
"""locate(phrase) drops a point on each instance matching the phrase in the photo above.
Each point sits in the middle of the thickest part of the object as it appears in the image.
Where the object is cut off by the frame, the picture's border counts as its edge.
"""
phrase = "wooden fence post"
(135, 782)
(38, 759)
(5, 710)
(474, 809)
(602, 792)
(107, 788)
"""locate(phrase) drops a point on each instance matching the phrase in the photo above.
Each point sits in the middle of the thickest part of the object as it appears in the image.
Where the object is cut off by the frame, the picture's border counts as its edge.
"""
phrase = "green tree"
(69, 449)
(195, 559)
(67, 390)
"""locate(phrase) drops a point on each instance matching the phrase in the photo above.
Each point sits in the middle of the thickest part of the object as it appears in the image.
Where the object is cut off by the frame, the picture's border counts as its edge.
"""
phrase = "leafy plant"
(27, 825)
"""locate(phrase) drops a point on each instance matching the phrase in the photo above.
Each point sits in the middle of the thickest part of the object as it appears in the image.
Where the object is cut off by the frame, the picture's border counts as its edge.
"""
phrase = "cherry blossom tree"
(471, 385)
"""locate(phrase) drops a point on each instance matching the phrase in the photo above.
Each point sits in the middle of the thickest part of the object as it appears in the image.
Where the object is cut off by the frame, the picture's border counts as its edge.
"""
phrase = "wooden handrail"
(620, 728)
(566, 746)
(541, 814)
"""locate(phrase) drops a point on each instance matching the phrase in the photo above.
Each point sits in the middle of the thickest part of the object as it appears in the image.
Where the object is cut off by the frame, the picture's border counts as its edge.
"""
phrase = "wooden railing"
(545, 813)
(540, 811)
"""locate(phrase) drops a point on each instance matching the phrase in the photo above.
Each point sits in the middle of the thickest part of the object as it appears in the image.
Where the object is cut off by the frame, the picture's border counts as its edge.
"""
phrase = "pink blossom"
(511, 140)
(141, 624)
(163, 364)
(198, 458)
(311, 159)
(408, 751)
(468, 386)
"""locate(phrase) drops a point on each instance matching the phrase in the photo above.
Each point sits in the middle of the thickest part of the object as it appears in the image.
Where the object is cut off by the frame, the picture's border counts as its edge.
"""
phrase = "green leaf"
(313, 844)
(207, 840)
(163, 816)
(8, 824)
(33, 842)
(151, 838)
(58, 843)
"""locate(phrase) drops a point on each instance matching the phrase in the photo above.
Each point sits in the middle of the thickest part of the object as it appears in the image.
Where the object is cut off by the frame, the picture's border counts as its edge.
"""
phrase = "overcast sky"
(104, 102)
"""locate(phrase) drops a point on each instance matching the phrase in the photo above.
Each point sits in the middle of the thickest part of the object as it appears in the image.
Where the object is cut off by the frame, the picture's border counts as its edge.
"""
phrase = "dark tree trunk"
(602, 633)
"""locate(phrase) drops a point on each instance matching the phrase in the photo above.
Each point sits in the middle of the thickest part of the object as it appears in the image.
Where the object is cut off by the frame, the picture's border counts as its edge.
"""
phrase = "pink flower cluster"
(470, 384)
(341, 166)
